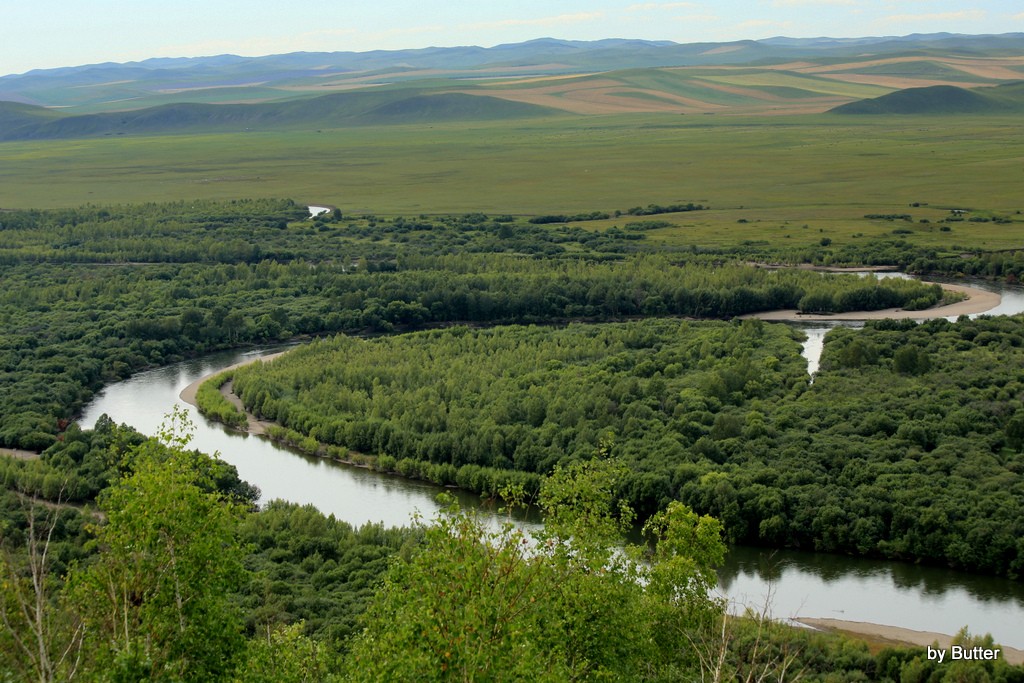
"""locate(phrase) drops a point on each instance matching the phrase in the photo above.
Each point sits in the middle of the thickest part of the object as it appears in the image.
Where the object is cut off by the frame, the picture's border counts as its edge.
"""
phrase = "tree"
(284, 655)
(567, 603)
(155, 599)
(42, 639)
(465, 605)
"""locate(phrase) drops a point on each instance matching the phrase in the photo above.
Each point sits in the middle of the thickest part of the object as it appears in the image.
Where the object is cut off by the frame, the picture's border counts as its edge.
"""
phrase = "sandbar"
(977, 301)
(898, 635)
(256, 426)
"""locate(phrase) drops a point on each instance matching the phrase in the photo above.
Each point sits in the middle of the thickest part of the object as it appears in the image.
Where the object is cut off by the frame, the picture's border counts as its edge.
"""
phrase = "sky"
(41, 34)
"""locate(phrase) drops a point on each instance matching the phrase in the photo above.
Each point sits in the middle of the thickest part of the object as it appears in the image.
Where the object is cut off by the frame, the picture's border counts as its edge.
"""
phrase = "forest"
(94, 294)
(591, 371)
(913, 432)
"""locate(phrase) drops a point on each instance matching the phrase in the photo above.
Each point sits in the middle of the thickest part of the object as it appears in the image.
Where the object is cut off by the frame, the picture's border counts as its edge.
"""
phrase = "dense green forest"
(92, 295)
(909, 444)
(554, 368)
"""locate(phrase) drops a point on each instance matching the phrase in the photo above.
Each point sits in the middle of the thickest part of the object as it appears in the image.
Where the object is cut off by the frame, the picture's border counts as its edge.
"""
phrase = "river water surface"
(800, 584)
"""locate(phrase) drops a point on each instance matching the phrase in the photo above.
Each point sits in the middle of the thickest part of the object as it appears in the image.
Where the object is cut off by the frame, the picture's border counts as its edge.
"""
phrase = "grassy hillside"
(14, 115)
(942, 99)
(342, 109)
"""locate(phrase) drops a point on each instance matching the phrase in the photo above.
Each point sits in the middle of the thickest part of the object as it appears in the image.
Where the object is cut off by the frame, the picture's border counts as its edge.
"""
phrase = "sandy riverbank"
(188, 394)
(19, 454)
(977, 301)
(899, 636)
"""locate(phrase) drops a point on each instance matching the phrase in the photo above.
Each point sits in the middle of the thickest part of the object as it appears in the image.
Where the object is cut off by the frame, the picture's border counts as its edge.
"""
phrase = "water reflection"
(813, 346)
(801, 584)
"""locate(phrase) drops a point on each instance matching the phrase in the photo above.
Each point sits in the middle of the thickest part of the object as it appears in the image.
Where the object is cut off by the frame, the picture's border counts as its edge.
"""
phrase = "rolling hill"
(942, 99)
(938, 73)
(23, 122)
(889, 62)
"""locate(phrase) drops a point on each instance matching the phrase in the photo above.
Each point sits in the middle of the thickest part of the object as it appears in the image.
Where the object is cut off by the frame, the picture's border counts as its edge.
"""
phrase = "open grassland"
(764, 178)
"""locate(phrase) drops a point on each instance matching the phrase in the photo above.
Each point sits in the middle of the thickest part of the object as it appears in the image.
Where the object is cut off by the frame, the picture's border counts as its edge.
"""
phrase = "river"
(801, 584)
(1011, 302)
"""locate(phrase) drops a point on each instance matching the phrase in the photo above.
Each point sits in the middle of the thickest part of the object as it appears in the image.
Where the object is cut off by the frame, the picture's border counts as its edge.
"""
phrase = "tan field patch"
(329, 87)
(544, 79)
(173, 91)
(608, 100)
(724, 49)
(995, 69)
(992, 71)
(820, 85)
(602, 96)
(617, 101)
(810, 105)
(898, 82)
(790, 66)
(867, 63)
(752, 93)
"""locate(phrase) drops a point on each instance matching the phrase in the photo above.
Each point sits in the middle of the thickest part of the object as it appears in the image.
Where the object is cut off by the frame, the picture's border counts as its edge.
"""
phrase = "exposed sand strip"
(904, 636)
(255, 426)
(977, 301)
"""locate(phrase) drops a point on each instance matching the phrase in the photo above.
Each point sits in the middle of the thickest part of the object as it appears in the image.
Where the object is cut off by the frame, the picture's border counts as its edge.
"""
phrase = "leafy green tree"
(156, 599)
(285, 655)
(568, 603)
(465, 605)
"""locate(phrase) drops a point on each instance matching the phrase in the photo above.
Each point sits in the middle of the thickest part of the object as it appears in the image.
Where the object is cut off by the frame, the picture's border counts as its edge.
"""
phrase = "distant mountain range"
(231, 78)
(536, 78)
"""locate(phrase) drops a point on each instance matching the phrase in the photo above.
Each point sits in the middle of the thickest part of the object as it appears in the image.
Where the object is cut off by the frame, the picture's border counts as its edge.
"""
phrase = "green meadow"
(765, 178)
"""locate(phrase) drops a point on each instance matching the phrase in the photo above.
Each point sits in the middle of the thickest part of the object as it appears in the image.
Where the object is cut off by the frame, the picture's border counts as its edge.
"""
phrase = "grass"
(775, 173)
(815, 84)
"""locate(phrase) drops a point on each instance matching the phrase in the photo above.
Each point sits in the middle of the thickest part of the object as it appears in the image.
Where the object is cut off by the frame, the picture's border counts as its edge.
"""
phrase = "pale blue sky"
(50, 33)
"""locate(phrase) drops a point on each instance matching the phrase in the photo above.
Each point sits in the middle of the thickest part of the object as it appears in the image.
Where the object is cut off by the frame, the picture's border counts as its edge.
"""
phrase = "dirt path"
(20, 455)
(902, 636)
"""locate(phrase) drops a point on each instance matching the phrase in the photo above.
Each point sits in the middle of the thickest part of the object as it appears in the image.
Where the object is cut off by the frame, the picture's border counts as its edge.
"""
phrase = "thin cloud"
(559, 20)
(1018, 17)
(696, 17)
(763, 23)
(963, 15)
(812, 3)
(652, 6)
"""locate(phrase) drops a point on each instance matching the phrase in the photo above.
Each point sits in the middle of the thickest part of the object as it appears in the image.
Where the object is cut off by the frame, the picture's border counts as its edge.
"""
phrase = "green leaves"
(568, 603)
(156, 597)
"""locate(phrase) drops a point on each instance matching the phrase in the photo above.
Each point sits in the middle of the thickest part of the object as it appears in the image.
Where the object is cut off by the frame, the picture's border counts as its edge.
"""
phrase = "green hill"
(337, 110)
(942, 99)
(14, 115)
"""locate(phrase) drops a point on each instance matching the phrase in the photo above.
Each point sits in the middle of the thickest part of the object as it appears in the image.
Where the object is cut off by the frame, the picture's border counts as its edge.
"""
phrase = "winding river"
(798, 583)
